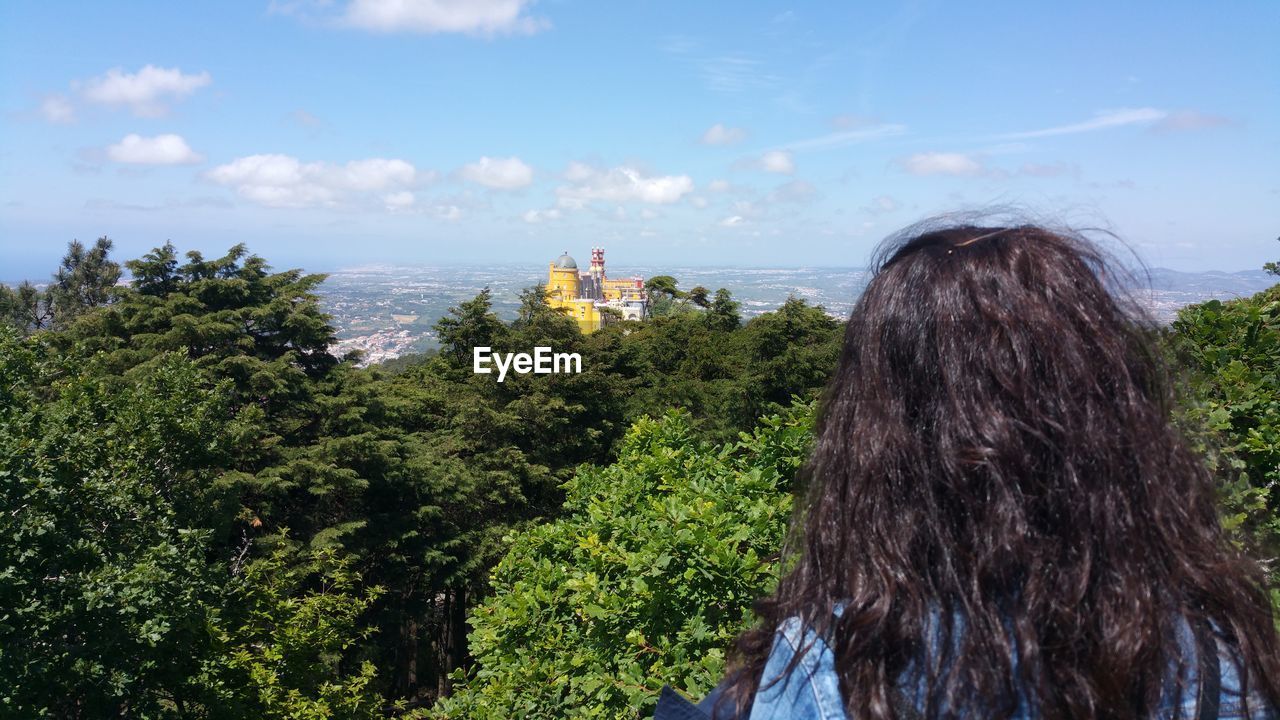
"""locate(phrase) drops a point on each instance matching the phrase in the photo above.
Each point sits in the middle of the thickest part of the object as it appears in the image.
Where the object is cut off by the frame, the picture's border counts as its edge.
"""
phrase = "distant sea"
(387, 311)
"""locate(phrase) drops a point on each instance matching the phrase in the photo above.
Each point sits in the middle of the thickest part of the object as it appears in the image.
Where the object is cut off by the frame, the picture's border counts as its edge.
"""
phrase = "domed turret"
(565, 262)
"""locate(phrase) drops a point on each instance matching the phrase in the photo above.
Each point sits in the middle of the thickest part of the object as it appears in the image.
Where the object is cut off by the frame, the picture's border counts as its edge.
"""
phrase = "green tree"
(662, 293)
(282, 637)
(662, 285)
(537, 316)
(85, 280)
(262, 331)
(698, 296)
(1273, 267)
(1232, 350)
(26, 308)
(790, 352)
(610, 314)
(156, 273)
(470, 325)
(118, 602)
(449, 461)
(723, 314)
(103, 566)
(644, 580)
(405, 483)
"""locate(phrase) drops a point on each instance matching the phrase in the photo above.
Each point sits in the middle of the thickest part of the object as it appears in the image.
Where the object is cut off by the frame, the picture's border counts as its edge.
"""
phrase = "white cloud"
(941, 164)
(159, 150)
(1189, 120)
(500, 173)
(57, 108)
(732, 221)
(578, 172)
(1101, 120)
(477, 17)
(374, 174)
(718, 186)
(399, 201)
(778, 161)
(284, 181)
(538, 216)
(144, 92)
(622, 184)
(720, 135)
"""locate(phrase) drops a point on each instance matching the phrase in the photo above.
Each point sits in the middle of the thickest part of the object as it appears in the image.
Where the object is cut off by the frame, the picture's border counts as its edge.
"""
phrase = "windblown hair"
(997, 445)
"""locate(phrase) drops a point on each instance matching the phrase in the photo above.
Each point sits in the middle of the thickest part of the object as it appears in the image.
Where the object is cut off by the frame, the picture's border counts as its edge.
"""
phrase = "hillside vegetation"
(1232, 353)
(207, 514)
(646, 580)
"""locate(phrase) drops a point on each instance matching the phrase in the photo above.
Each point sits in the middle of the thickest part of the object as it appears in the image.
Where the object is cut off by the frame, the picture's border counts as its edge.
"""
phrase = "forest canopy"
(207, 513)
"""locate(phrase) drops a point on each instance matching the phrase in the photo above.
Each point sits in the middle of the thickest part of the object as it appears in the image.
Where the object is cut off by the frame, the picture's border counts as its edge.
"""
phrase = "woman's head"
(996, 446)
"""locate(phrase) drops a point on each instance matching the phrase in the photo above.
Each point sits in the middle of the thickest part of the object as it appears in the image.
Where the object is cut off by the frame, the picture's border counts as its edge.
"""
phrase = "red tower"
(597, 262)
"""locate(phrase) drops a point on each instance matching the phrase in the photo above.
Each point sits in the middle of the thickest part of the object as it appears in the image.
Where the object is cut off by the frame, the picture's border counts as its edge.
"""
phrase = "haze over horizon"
(327, 134)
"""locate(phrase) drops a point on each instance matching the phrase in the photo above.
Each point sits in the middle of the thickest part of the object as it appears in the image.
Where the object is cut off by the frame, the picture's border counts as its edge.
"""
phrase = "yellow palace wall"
(563, 287)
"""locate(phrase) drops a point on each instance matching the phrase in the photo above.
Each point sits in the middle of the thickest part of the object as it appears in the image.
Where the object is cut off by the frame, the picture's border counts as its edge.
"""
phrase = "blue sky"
(340, 132)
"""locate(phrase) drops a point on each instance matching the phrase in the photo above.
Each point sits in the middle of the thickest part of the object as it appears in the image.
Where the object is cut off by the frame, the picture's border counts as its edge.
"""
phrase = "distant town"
(387, 311)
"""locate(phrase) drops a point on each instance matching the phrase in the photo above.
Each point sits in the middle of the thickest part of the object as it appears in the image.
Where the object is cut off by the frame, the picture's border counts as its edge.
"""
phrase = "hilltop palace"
(584, 295)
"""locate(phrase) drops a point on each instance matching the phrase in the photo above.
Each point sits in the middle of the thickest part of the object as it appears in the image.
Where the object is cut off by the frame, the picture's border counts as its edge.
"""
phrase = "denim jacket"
(811, 691)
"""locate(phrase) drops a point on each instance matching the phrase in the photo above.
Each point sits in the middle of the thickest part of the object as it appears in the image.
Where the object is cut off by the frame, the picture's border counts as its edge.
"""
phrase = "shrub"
(645, 580)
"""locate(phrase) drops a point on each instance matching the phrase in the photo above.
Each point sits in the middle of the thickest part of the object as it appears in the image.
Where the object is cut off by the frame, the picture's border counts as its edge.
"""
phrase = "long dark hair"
(997, 446)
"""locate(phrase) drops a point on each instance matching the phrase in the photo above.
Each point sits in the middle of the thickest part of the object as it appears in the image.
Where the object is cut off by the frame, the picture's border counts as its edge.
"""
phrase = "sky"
(337, 133)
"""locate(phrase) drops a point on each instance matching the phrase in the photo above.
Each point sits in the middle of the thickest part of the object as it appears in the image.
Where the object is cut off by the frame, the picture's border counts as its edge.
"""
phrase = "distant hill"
(387, 310)
(1242, 282)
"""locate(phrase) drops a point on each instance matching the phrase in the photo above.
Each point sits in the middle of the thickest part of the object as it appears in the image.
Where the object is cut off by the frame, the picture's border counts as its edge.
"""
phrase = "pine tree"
(723, 314)
(85, 280)
(470, 325)
(26, 309)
